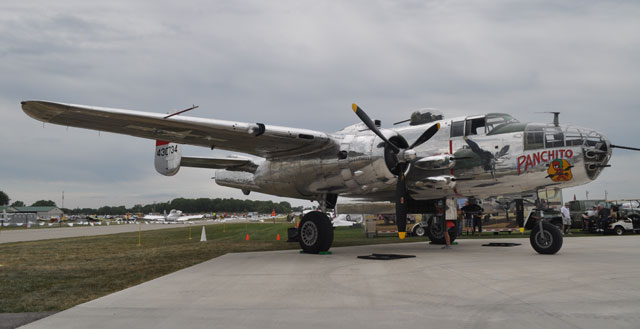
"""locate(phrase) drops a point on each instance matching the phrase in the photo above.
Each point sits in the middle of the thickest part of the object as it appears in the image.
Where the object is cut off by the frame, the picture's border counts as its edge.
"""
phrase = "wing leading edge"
(251, 138)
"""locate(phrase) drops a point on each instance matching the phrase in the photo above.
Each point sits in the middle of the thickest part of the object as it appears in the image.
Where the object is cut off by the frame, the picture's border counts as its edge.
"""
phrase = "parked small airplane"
(422, 167)
(173, 216)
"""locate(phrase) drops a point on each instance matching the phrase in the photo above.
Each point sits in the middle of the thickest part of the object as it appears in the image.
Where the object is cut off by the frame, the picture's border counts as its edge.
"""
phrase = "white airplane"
(347, 220)
(173, 216)
(423, 167)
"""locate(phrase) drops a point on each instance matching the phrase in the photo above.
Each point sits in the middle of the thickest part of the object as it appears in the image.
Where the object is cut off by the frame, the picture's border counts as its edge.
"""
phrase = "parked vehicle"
(624, 224)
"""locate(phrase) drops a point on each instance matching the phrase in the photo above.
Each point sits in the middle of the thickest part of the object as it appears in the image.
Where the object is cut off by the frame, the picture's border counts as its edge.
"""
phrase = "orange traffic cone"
(278, 237)
(247, 238)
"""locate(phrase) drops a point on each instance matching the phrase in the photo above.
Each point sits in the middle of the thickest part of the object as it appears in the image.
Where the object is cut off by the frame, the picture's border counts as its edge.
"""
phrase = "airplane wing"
(252, 138)
(153, 217)
(186, 218)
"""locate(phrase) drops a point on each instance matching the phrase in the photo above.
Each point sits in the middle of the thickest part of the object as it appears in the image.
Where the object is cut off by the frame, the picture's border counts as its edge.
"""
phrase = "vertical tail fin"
(167, 158)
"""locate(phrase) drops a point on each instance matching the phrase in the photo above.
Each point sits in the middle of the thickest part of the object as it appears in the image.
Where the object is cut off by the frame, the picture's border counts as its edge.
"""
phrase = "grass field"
(53, 275)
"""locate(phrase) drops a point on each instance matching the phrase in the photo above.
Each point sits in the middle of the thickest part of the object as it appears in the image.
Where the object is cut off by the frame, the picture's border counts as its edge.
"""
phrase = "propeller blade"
(369, 123)
(401, 202)
(625, 147)
(426, 135)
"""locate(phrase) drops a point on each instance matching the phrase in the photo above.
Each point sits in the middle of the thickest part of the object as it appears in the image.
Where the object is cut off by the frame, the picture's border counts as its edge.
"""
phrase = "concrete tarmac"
(591, 283)
(42, 233)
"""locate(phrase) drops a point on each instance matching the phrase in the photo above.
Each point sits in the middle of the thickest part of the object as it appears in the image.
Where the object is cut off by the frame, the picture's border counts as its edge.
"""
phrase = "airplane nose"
(597, 153)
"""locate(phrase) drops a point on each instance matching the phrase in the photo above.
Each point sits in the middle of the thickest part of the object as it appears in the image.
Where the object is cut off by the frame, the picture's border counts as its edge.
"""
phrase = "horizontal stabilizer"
(231, 164)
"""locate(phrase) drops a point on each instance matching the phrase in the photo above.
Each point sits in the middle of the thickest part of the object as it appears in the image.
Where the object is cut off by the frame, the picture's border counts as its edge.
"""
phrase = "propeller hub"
(407, 155)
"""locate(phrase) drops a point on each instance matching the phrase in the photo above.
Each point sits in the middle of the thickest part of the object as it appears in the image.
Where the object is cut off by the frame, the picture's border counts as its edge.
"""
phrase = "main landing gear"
(315, 232)
(435, 230)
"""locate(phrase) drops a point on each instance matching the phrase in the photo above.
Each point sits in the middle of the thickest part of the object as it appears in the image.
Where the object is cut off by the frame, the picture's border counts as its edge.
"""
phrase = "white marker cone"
(203, 236)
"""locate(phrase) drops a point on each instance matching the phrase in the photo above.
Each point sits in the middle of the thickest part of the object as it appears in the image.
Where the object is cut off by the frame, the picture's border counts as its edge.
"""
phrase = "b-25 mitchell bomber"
(422, 167)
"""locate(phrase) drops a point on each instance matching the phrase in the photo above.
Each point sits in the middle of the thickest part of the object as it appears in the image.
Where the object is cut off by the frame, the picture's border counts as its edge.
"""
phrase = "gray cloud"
(301, 64)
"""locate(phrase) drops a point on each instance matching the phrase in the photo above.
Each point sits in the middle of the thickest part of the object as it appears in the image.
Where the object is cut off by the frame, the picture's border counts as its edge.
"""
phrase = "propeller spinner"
(404, 155)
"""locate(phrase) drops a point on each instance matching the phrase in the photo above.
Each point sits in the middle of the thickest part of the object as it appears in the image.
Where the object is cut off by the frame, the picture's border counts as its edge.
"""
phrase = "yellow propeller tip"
(438, 125)
(402, 235)
(354, 107)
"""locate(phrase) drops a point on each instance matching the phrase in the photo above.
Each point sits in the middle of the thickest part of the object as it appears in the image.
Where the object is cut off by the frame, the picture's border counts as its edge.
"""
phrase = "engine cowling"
(167, 158)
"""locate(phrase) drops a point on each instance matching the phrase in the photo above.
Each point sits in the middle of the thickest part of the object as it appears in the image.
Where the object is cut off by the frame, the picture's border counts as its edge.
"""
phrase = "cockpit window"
(457, 128)
(474, 126)
(495, 120)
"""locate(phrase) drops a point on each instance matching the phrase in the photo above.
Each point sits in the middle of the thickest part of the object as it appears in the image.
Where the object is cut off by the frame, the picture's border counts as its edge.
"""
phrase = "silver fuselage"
(515, 159)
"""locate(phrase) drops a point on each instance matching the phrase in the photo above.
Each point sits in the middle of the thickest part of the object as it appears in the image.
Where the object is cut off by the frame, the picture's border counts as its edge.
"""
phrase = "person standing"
(603, 217)
(566, 218)
(477, 223)
(468, 216)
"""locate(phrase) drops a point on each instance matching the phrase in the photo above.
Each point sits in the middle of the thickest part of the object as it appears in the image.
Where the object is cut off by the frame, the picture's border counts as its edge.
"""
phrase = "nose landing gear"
(546, 238)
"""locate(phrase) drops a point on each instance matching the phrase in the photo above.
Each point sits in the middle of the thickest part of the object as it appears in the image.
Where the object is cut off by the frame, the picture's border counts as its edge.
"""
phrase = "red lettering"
(536, 158)
(529, 162)
(520, 162)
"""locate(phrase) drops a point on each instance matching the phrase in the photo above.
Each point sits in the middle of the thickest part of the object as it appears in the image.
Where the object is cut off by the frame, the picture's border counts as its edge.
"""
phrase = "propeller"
(404, 157)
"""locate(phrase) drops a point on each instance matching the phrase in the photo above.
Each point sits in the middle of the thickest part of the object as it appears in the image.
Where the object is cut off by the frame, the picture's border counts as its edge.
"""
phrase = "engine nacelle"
(167, 158)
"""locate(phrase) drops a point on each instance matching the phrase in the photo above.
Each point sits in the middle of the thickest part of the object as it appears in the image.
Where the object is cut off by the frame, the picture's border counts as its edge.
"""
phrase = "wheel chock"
(319, 253)
(501, 244)
(386, 256)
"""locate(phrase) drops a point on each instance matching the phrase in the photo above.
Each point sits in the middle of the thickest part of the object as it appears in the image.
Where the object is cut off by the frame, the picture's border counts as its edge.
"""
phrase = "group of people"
(472, 215)
(599, 218)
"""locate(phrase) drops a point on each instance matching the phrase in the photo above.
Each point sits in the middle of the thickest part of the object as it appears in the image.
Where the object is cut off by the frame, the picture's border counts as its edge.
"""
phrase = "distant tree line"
(200, 205)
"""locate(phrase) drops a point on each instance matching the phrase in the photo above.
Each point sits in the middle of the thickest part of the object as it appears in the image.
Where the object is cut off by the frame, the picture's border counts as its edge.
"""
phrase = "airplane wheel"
(546, 241)
(419, 231)
(435, 231)
(315, 232)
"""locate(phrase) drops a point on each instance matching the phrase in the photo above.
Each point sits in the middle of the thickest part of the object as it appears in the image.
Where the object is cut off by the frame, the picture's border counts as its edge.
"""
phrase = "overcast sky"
(300, 64)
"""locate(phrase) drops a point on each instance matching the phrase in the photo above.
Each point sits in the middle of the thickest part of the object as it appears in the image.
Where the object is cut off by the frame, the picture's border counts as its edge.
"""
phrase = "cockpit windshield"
(495, 120)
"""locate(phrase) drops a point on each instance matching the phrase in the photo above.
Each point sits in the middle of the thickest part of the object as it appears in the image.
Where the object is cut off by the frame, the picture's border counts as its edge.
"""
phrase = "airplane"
(173, 216)
(423, 167)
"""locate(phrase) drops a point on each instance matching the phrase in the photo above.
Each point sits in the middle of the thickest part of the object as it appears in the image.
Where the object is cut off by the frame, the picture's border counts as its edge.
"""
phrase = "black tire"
(548, 241)
(618, 230)
(315, 232)
(435, 231)
(419, 230)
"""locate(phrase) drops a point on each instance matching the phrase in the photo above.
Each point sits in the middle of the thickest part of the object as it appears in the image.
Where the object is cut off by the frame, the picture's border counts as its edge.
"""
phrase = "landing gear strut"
(315, 232)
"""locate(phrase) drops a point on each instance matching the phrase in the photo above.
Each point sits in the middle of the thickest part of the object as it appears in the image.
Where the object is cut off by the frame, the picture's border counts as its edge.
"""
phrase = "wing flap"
(252, 138)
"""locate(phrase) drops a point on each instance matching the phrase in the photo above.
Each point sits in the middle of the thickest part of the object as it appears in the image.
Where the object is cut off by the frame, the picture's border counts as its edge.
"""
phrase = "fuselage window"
(533, 140)
(553, 139)
(457, 128)
(473, 125)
